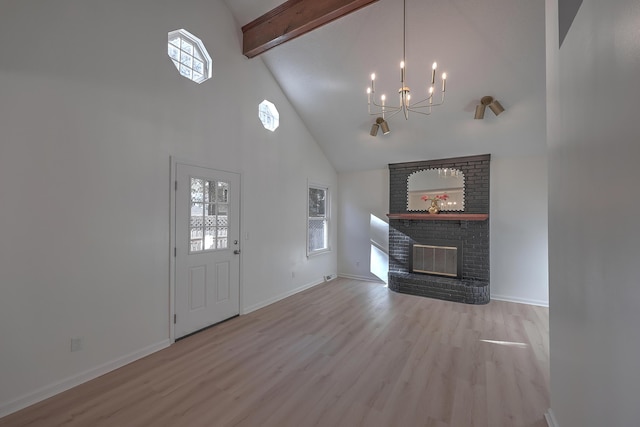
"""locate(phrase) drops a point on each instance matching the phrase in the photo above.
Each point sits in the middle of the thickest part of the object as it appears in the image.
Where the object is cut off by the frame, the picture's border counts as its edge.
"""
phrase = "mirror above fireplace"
(429, 183)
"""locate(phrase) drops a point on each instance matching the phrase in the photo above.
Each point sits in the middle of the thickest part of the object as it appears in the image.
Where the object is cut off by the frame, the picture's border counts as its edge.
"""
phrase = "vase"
(434, 208)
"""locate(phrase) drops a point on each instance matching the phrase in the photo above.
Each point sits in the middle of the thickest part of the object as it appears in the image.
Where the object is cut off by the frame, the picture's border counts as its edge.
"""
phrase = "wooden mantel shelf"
(440, 216)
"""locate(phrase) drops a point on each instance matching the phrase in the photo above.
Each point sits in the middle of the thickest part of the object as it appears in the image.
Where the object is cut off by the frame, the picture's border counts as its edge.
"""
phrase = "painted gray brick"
(473, 286)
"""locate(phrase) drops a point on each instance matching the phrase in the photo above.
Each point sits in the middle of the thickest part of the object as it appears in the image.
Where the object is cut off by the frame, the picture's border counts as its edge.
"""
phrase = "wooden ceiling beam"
(293, 19)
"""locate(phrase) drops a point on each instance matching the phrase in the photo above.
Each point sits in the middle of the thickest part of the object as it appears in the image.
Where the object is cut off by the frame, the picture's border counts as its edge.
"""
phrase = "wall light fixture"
(380, 123)
(488, 101)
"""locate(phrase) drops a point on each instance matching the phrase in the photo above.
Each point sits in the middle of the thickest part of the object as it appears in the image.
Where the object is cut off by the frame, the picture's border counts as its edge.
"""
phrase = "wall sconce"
(374, 129)
(380, 123)
(488, 101)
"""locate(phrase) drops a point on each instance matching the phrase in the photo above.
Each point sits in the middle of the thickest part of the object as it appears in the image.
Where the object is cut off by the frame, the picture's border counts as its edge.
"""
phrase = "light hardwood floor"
(346, 353)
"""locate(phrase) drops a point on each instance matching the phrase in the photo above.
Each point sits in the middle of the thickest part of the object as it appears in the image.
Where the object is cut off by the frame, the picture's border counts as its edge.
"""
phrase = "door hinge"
(175, 252)
(176, 186)
(175, 318)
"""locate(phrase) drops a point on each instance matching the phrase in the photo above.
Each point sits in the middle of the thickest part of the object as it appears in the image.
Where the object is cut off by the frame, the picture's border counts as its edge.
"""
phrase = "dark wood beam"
(292, 19)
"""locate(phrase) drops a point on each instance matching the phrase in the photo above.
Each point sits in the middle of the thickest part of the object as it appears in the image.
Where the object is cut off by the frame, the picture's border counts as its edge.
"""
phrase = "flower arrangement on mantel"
(435, 200)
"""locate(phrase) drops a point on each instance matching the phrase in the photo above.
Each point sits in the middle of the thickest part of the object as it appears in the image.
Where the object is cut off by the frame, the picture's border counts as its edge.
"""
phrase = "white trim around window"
(318, 219)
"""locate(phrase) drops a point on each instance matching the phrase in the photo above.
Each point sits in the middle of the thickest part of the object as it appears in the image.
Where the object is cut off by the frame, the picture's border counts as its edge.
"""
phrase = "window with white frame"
(318, 219)
(189, 55)
(268, 115)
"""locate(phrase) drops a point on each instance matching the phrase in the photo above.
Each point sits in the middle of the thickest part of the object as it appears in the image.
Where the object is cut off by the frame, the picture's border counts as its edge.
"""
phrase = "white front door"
(207, 289)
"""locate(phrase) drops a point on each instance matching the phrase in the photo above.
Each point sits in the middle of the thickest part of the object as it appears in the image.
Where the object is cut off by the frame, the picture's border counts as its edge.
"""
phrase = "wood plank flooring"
(346, 353)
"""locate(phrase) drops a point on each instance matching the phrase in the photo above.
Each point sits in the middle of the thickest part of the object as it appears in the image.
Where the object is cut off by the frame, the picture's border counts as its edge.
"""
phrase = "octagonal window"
(189, 55)
(269, 116)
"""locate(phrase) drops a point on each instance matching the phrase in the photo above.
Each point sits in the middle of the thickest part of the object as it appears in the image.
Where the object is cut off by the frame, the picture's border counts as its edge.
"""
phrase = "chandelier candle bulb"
(444, 82)
(373, 78)
(433, 73)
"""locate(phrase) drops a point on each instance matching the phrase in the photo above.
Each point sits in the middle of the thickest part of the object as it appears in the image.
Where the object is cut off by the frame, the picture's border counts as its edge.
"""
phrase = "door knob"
(237, 251)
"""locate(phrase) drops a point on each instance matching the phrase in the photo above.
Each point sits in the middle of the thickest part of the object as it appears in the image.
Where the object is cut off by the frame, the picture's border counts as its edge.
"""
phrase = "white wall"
(518, 225)
(91, 109)
(277, 169)
(363, 237)
(593, 139)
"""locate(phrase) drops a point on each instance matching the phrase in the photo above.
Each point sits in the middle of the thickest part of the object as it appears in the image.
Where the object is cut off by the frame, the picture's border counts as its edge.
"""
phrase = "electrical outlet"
(293, 274)
(76, 344)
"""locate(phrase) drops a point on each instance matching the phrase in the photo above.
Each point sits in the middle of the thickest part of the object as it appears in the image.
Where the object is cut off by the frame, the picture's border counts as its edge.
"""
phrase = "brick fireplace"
(466, 231)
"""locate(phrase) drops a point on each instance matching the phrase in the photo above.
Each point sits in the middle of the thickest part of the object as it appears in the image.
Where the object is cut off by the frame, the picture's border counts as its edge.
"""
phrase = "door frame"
(172, 238)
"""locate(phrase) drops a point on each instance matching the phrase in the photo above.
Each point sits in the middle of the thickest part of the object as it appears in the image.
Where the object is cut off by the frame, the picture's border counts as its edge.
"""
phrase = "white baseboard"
(551, 420)
(361, 278)
(247, 310)
(50, 390)
(520, 300)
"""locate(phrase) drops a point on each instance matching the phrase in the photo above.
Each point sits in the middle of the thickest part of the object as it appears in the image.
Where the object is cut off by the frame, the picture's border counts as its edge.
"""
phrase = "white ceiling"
(487, 47)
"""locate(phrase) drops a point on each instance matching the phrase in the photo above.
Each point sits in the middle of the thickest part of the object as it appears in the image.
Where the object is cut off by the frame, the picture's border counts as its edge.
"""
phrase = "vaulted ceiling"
(487, 47)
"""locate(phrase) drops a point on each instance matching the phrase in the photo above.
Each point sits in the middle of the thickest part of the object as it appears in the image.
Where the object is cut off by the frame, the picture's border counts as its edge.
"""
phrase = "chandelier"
(424, 106)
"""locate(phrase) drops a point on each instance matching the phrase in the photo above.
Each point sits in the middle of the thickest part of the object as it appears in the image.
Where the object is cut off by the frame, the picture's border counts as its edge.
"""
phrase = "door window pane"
(196, 246)
(210, 238)
(223, 192)
(197, 190)
(208, 224)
